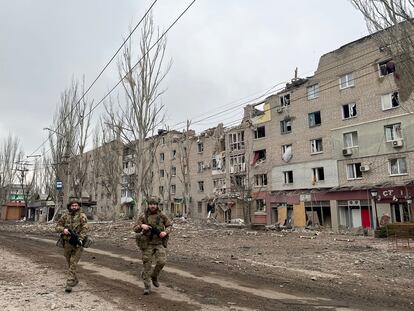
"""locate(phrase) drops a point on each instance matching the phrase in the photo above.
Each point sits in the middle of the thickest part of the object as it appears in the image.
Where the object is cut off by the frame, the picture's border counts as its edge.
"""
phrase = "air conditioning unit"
(354, 203)
(397, 143)
(364, 168)
(347, 152)
(279, 109)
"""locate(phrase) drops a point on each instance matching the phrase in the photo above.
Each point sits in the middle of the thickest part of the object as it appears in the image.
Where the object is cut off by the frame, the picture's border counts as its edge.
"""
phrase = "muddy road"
(113, 274)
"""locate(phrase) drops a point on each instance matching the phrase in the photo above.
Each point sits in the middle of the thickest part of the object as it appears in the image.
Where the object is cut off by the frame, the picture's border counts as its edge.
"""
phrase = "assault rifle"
(74, 238)
(155, 231)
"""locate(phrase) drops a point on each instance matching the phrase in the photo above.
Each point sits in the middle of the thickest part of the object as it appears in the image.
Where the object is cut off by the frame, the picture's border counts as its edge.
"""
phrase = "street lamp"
(374, 195)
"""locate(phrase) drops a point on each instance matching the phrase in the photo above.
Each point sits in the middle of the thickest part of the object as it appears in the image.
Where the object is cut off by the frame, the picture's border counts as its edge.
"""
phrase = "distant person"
(152, 228)
(73, 226)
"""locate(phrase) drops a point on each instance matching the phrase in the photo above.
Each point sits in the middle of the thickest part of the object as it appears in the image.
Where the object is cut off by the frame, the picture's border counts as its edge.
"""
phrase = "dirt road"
(111, 272)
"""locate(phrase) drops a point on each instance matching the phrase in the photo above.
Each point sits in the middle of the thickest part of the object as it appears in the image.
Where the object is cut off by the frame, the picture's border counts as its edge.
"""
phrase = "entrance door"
(366, 219)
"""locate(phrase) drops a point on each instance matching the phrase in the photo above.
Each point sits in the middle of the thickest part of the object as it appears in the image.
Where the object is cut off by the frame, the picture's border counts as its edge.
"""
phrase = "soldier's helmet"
(73, 201)
(153, 200)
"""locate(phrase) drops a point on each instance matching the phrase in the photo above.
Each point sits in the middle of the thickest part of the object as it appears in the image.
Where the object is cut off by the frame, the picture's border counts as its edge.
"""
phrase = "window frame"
(355, 173)
(352, 139)
(200, 185)
(398, 166)
(316, 175)
(260, 180)
(314, 114)
(394, 132)
(284, 126)
(348, 108)
(312, 91)
(288, 178)
(347, 83)
(256, 132)
(314, 143)
(284, 100)
(390, 101)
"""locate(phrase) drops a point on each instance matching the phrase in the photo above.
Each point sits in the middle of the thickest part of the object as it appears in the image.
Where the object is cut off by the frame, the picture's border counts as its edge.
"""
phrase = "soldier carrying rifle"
(152, 228)
(73, 227)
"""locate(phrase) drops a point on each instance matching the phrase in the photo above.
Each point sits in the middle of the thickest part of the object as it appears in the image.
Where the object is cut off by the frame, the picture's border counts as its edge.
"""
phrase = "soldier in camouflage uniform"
(77, 221)
(152, 228)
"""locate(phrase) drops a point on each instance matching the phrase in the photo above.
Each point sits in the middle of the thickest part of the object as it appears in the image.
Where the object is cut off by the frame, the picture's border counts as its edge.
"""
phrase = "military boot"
(154, 280)
(147, 289)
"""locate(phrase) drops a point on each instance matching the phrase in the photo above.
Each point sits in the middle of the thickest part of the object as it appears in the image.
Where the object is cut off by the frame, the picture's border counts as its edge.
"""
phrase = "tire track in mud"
(118, 274)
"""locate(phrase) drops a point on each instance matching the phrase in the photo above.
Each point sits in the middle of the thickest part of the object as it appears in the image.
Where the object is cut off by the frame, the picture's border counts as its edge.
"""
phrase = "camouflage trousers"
(156, 253)
(72, 255)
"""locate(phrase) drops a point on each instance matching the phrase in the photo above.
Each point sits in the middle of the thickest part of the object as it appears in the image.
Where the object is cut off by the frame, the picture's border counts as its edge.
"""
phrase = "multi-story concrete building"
(350, 134)
(335, 149)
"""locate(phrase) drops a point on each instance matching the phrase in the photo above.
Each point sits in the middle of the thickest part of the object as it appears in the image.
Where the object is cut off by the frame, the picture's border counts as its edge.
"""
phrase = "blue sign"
(59, 185)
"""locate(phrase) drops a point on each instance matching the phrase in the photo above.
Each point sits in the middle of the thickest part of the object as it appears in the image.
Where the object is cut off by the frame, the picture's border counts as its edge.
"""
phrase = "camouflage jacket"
(78, 222)
(158, 220)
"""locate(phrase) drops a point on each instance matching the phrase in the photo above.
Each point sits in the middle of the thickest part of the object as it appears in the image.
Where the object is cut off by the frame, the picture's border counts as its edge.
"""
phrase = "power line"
(359, 55)
(101, 72)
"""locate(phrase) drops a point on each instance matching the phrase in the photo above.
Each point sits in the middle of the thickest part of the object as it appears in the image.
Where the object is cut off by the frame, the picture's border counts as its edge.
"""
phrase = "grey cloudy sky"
(222, 51)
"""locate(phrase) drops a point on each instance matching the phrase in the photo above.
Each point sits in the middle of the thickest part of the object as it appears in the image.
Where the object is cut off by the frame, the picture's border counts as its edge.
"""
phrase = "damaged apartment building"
(335, 150)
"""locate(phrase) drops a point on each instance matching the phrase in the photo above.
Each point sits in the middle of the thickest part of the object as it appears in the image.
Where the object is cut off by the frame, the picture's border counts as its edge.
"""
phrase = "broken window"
(288, 177)
(287, 152)
(318, 174)
(201, 186)
(259, 156)
(398, 166)
(353, 171)
(259, 132)
(386, 67)
(393, 132)
(313, 91)
(173, 171)
(200, 167)
(349, 111)
(200, 147)
(314, 118)
(350, 139)
(239, 181)
(200, 207)
(161, 190)
(236, 141)
(346, 81)
(391, 100)
(285, 126)
(162, 156)
(162, 173)
(284, 100)
(237, 164)
(173, 189)
(258, 110)
(260, 180)
(173, 154)
(316, 145)
(260, 205)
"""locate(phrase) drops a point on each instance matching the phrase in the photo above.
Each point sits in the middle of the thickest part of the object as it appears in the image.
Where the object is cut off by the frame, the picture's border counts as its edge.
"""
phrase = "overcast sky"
(224, 52)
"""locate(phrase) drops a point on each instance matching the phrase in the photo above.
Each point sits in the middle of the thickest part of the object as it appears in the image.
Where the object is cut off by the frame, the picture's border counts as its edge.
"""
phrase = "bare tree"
(141, 113)
(68, 138)
(391, 23)
(10, 153)
(185, 143)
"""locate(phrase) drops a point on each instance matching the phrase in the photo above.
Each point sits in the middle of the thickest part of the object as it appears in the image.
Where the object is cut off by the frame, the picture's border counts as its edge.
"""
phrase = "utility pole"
(22, 176)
